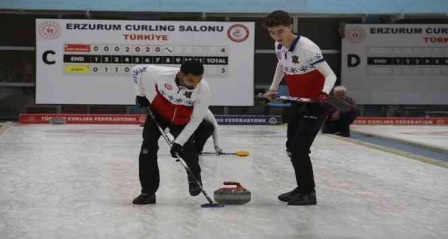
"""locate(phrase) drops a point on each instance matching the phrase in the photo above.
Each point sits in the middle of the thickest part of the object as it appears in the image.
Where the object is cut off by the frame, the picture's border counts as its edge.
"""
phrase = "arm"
(323, 67)
(278, 76)
(137, 78)
(199, 110)
(211, 118)
(330, 77)
(316, 59)
(138, 73)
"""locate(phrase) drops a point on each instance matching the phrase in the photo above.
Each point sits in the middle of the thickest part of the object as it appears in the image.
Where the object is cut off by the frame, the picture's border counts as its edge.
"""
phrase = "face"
(189, 80)
(282, 34)
(339, 94)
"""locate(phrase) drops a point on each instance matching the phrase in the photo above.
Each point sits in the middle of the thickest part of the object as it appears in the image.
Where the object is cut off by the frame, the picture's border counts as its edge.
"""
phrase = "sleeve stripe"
(318, 61)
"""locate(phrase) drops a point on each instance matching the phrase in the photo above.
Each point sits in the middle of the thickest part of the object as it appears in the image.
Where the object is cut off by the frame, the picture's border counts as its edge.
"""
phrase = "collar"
(181, 87)
(293, 44)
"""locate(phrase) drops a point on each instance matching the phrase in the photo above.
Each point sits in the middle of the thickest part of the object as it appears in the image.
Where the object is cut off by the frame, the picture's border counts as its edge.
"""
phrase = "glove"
(175, 149)
(142, 101)
(322, 97)
(218, 150)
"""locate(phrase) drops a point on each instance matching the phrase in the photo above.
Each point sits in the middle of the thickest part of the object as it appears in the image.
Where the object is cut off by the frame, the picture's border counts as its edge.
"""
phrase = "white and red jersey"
(306, 72)
(176, 104)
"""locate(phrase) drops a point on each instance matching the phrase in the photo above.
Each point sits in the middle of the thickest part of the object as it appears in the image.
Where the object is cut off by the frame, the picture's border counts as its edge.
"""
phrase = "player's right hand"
(142, 101)
(176, 150)
(270, 95)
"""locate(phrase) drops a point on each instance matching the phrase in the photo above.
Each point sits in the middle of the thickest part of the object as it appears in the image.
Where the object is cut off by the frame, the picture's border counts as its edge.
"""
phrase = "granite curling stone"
(232, 195)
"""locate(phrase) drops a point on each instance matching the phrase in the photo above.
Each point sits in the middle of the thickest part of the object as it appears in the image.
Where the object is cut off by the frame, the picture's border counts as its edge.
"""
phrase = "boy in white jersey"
(179, 100)
(307, 75)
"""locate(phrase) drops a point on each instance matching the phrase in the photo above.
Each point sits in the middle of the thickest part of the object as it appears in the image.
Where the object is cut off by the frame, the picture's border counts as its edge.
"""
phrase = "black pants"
(304, 124)
(341, 125)
(148, 165)
(201, 135)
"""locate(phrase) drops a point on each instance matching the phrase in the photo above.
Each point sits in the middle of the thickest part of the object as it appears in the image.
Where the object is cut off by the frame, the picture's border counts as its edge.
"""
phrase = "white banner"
(396, 64)
(89, 61)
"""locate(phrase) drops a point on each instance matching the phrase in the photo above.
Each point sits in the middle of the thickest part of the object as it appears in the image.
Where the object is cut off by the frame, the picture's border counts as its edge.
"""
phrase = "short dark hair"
(192, 67)
(277, 18)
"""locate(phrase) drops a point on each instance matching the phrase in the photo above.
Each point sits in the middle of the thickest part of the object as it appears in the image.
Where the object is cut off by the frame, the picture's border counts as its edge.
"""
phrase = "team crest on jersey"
(295, 59)
(188, 94)
(168, 86)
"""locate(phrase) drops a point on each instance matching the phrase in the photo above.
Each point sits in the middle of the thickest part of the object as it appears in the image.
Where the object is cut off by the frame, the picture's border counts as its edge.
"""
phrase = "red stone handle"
(237, 184)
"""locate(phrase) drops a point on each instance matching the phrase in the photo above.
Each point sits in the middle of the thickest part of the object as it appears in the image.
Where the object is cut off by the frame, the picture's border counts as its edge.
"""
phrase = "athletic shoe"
(286, 197)
(303, 199)
(145, 198)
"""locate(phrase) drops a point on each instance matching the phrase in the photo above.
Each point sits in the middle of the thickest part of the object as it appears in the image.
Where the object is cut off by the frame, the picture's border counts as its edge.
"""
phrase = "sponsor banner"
(400, 121)
(83, 118)
(248, 119)
(221, 119)
(140, 119)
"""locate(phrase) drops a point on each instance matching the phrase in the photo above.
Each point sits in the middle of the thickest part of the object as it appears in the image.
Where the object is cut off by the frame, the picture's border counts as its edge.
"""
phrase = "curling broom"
(240, 153)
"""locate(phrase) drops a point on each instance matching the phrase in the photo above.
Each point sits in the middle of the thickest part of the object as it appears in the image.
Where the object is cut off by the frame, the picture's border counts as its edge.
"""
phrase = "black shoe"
(286, 197)
(145, 198)
(194, 188)
(303, 199)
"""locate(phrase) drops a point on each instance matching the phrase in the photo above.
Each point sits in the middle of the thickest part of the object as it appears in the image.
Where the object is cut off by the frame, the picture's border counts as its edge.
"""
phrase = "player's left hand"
(142, 101)
(322, 97)
(176, 149)
(218, 150)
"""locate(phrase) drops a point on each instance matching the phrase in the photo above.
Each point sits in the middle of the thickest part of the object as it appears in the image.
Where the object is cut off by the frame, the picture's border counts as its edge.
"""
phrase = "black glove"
(142, 101)
(175, 149)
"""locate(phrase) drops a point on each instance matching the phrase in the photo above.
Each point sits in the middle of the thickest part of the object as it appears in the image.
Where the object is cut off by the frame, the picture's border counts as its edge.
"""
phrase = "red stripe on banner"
(84, 118)
(401, 121)
(77, 47)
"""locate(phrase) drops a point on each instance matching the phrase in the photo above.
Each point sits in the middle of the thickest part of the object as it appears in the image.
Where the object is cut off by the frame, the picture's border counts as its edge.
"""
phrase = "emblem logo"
(238, 33)
(295, 59)
(355, 34)
(188, 94)
(49, 30)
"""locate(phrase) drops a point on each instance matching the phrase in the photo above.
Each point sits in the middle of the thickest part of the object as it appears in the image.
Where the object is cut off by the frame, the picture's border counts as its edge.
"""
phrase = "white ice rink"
(430, 136)
(78, 181)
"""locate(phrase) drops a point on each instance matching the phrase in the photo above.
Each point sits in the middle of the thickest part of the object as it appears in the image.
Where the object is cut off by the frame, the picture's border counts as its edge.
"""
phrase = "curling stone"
(232, 195)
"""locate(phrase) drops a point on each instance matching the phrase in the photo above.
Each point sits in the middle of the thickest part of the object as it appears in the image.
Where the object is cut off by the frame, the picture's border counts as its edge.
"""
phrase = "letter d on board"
(353, 60)
(45, 57)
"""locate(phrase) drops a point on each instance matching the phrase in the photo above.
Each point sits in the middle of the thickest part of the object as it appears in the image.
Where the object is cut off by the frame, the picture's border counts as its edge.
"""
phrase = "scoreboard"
(119, 59)
(401, 64)
(90, 61)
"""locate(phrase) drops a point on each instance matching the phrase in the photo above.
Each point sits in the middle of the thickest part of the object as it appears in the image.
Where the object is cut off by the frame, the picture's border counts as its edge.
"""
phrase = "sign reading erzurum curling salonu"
(89, 61)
